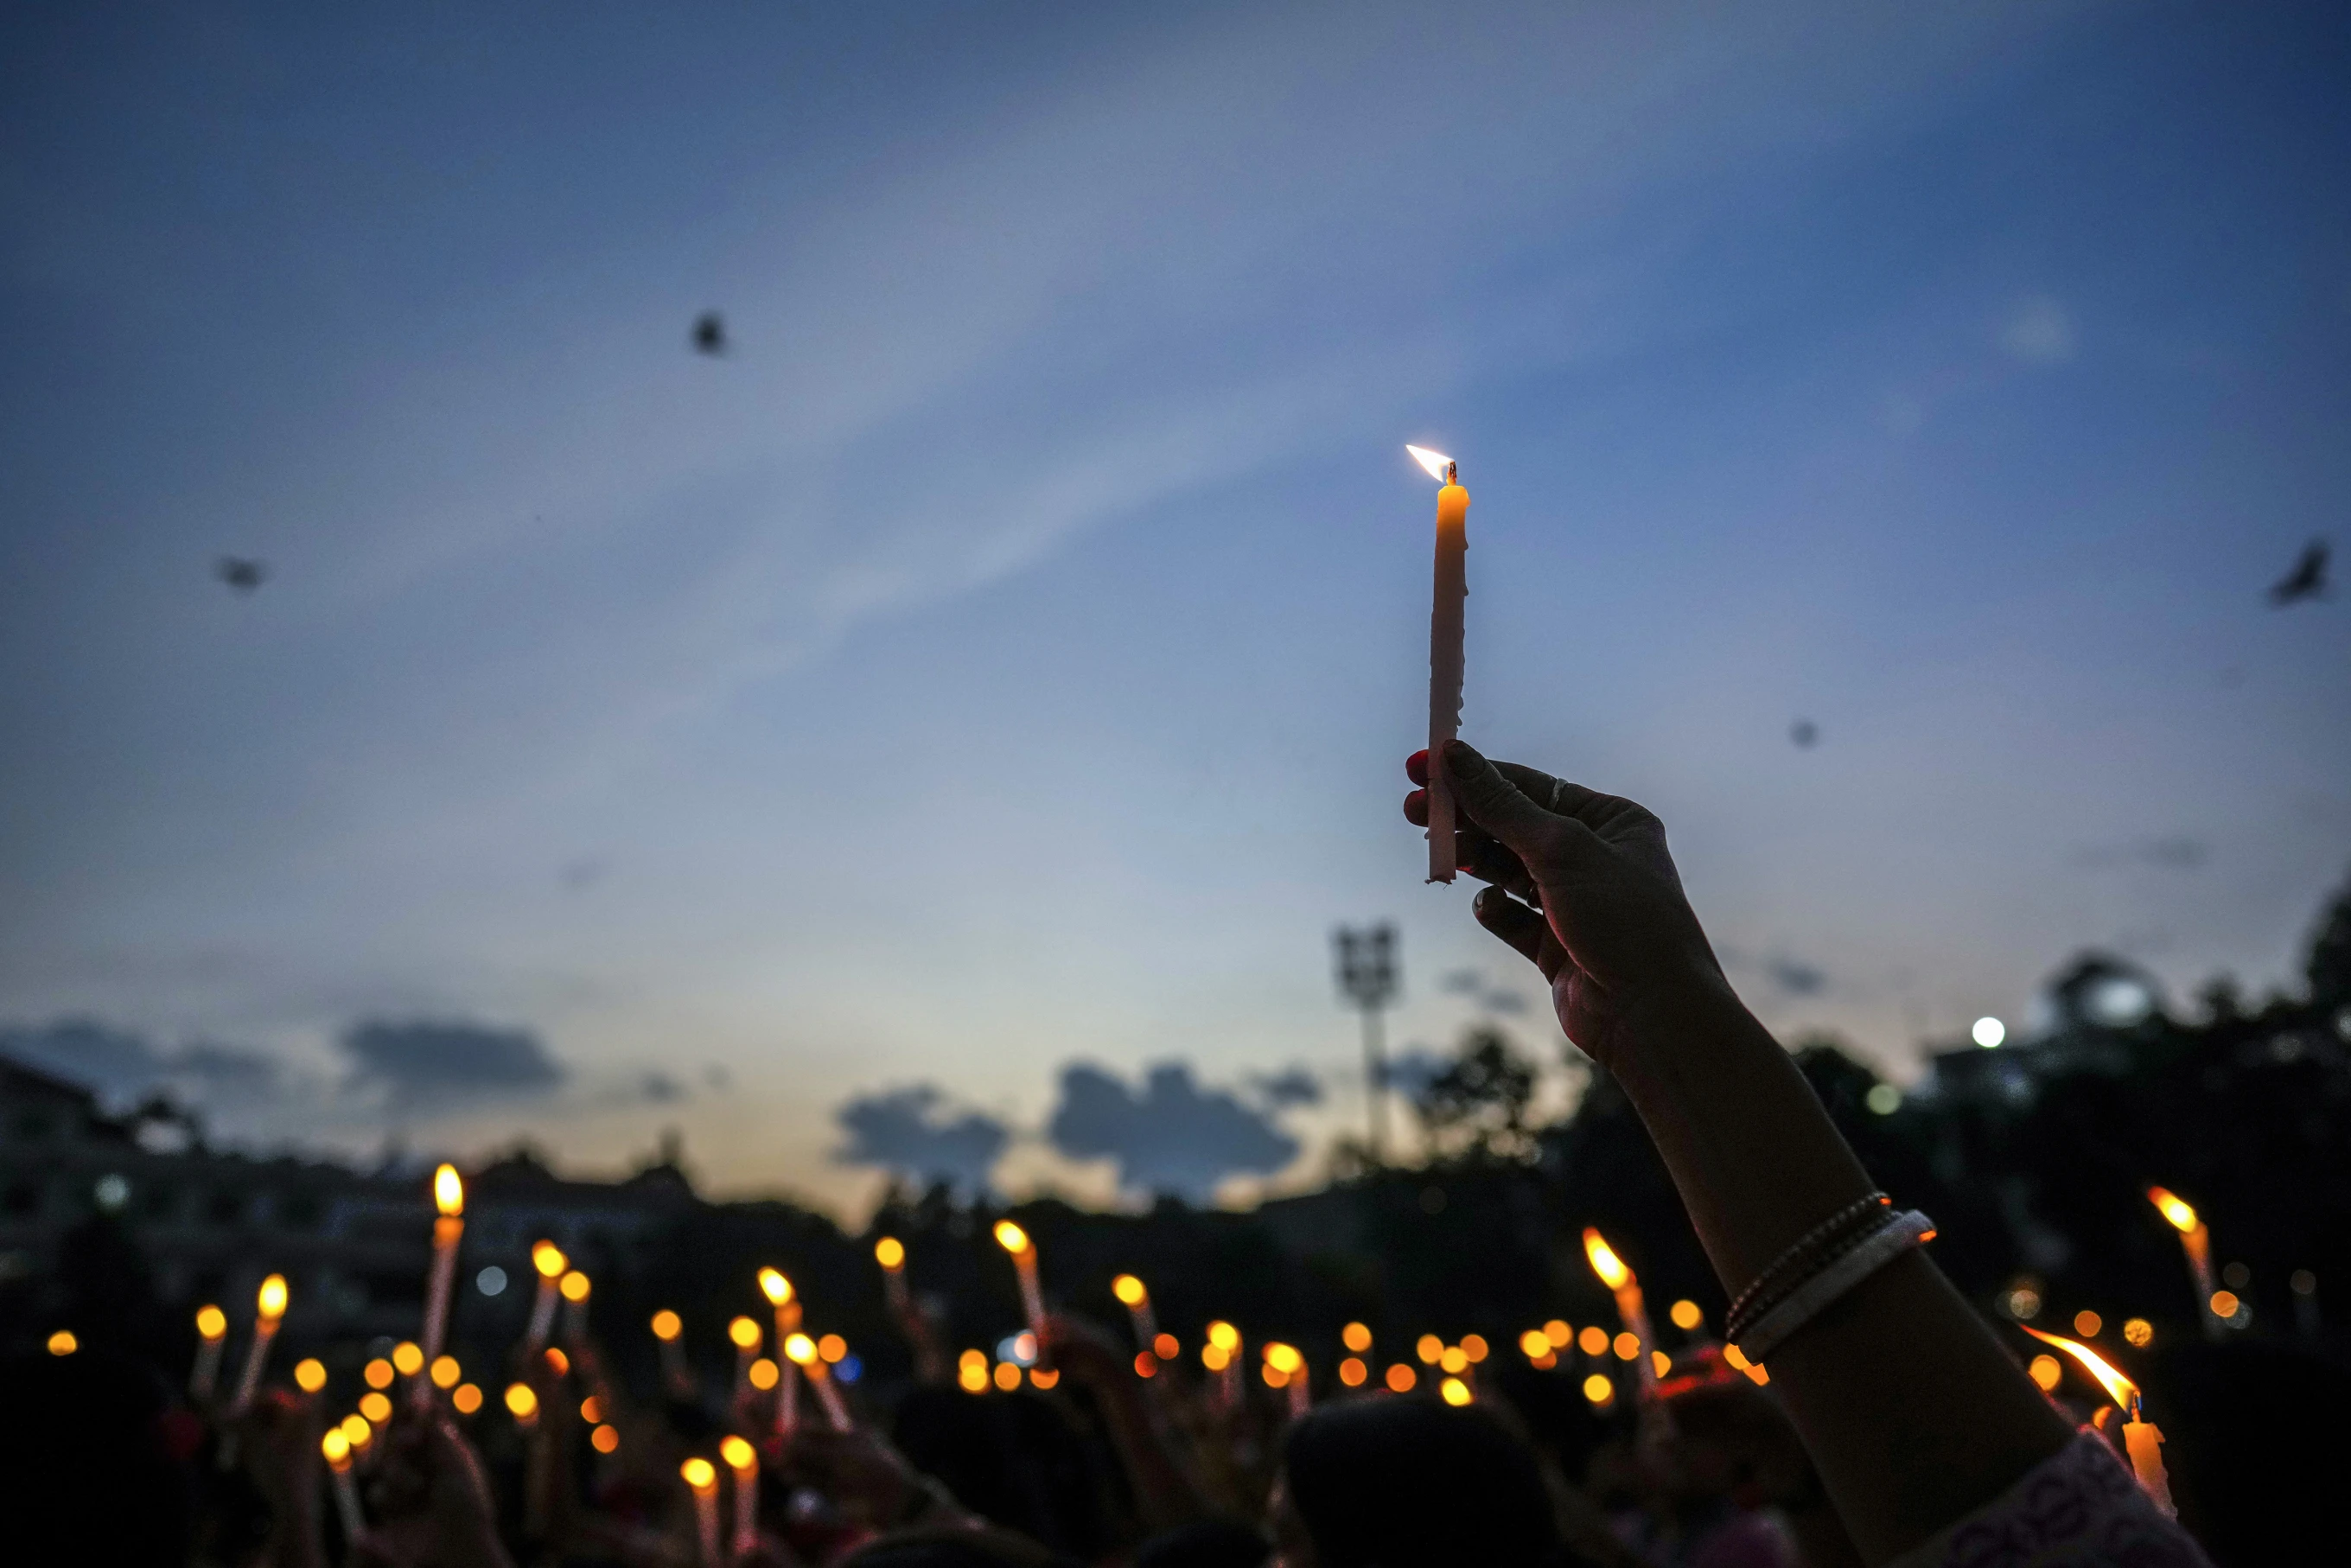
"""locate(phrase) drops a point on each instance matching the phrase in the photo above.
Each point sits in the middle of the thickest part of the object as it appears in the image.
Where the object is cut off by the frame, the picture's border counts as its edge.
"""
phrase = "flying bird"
(1805, 732)
(2306, 580)
(240, 573)
(710, 333)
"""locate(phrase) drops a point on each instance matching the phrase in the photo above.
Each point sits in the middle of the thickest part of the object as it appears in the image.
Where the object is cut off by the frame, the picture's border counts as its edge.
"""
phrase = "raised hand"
(1583, 886)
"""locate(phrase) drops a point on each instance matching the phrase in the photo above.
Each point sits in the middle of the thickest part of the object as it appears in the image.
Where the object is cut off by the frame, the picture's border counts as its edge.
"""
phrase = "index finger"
(1561, 795)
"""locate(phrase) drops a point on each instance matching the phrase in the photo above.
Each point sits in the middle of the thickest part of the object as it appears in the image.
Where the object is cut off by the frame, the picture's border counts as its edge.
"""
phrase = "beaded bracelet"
(1849, 1268)
(1783, 1272)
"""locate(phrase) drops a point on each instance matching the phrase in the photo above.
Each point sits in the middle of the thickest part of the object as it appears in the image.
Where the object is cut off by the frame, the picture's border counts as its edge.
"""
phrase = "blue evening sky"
(1005, 654)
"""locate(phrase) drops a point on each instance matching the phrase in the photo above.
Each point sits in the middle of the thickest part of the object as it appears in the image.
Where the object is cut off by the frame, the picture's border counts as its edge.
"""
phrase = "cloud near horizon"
(1173, 1136)
(915, 1132)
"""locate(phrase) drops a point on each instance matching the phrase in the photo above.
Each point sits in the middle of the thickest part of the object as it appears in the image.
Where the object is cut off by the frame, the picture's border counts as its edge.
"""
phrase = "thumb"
(1498, 806)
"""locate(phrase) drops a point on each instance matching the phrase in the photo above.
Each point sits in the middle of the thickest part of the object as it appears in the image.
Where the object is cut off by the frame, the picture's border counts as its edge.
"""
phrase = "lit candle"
(2141, 1439)
(522, 1404)
(891, 1254)
(449, 1197)
(1222, 1355)
(408, 1360)
(668, 1329)
(1285, 1368)
(744, 1334)
(212, 1333)
(2196, 1241)
(704, 1480)
(1137, 1301)
(574, 1287)
(547, 1259)
(780, 1296)
(744, 1461)
(800, 1351)
(1444, 651)
(337, 1450)
(1629, 1308)
(269, 1306)
(1015, 1240)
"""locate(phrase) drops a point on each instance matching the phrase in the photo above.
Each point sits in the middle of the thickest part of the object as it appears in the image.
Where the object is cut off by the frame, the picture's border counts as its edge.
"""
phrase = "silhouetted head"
(1206, 1543)
(1396, 1481)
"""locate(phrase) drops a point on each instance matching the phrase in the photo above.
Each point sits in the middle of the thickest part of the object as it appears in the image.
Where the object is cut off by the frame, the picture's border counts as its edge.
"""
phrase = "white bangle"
(1867, 1256)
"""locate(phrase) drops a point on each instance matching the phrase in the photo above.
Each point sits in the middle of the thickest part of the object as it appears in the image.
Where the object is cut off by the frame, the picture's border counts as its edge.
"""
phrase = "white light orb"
(1988, 1032)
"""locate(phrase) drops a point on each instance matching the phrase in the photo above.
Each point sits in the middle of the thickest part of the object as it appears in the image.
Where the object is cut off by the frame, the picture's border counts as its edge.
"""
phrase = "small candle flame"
(2182, 1217)
(1437, 463)
(1129, 1291)
(271, 1302)
(668, 1325)
(774, 1287)
(549, 1260)
(337, 1447)
(575, 1286)
(1605, 1261)
(890, 1253)
(212, 1323)
(800, 1349)
(1010, 1237)
(2119, 1389)
(698, 1474)
(448, 1191)
(745, 1332)
(740, 1456)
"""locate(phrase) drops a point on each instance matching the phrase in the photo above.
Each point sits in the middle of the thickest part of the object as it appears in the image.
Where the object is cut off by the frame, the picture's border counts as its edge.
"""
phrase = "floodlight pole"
(1367, 977)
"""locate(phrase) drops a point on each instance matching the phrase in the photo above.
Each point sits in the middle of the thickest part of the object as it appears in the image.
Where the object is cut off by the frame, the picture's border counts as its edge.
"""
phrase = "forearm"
(1165, 1493)
(1910, 1410)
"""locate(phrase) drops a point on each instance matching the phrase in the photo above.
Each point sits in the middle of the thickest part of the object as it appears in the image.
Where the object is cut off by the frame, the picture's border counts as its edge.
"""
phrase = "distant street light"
(1367, 976)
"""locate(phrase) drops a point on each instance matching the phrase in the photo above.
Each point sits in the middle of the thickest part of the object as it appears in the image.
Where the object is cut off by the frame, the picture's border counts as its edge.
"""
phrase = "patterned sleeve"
(2075, 1509)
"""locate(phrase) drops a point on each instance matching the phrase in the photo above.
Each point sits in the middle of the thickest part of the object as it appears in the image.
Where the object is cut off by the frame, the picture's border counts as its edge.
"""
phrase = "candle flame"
(574, 1286)
(744, 1333)
(738, 1454)
(337, 1447)
(890, 1253)
(698, 1474)
(800, 1349)
(522, 1399)
(774, 1287)
(212, 1323)
(1129, 1291)
(2119, 1389)
(1010, 1237)
(448, 1191)
(2182, 1217)
(549, 1260)
(1605, 1261)
(668, 1325)
(1437, 463)
(271, 1302)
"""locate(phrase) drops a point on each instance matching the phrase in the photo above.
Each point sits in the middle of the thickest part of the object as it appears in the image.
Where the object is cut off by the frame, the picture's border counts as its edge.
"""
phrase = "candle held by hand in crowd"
(891, 1254)
(744, 1461)
(212, 1336)
(1015, 1240)
(574, 1287)
(2196, 1241)
(800, 1351)
(668, 1331)
(1446, 632)
(270, 1307)
(1631, 1311)
(547, 1261)
(702, 1477)
(786, 1303)
(449, 1198)
(337, 1447)
(2142, 1441)
(1136, 1299)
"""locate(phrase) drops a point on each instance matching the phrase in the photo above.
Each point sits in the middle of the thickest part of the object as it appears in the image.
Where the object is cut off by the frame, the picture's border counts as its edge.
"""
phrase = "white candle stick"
(337, 1446)
(1136, 1299)
(891, 1254)
(744, 1461)
(270, 1306)
(547, 1261)
(800, 1351)
(1446, 628)
(1015, 1240)
(2141, 1439)
(574, 1288)
(212, 1332)
(668, 1330)
(704, 1479)
(449, 1197)
(2196, 1241)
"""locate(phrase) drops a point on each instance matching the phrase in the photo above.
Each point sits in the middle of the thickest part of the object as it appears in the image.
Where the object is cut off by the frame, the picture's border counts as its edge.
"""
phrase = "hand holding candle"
(2196, 1241)
(1447, 633)
(801, 1352)
(1136, 1299)
(2141, 1440)
(781, 1297)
